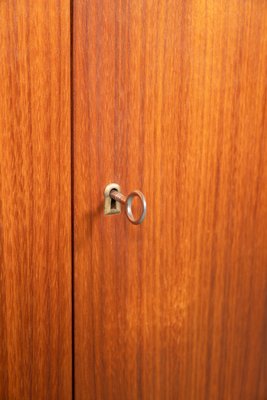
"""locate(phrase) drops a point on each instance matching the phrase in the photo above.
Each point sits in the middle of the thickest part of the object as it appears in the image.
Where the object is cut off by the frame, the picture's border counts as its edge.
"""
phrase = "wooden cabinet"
(35, 201)
(168, 97)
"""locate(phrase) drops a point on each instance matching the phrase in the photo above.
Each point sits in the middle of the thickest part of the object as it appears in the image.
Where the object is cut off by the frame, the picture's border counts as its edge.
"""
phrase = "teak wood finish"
(170, 98)
(35, 198)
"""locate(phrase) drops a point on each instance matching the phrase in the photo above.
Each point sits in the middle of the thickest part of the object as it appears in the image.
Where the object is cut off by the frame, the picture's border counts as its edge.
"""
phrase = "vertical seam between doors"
(72, 196)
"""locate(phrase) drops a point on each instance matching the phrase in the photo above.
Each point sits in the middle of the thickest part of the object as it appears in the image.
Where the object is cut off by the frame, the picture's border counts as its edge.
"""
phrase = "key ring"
(128, 208)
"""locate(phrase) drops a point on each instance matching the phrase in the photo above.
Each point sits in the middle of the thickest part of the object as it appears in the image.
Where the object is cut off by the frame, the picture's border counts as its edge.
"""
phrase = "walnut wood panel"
(35, 220)
(170, 98)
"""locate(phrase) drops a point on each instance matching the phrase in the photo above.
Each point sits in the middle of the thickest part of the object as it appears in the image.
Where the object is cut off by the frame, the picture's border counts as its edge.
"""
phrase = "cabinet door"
(170, 98)
(35, 219)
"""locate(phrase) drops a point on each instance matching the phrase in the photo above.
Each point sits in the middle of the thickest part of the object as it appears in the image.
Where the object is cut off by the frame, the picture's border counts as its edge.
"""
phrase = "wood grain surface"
(35, 195)
(170, 98)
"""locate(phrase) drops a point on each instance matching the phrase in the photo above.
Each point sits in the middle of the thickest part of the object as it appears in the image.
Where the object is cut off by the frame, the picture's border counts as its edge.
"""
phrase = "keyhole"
(113, 205)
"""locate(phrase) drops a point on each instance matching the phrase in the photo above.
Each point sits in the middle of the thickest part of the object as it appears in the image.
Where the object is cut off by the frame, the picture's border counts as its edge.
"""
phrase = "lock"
(111, 206)
(114, 198)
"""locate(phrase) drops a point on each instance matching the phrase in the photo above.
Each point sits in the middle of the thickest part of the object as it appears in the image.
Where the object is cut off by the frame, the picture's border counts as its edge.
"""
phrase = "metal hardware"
(112, 206)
